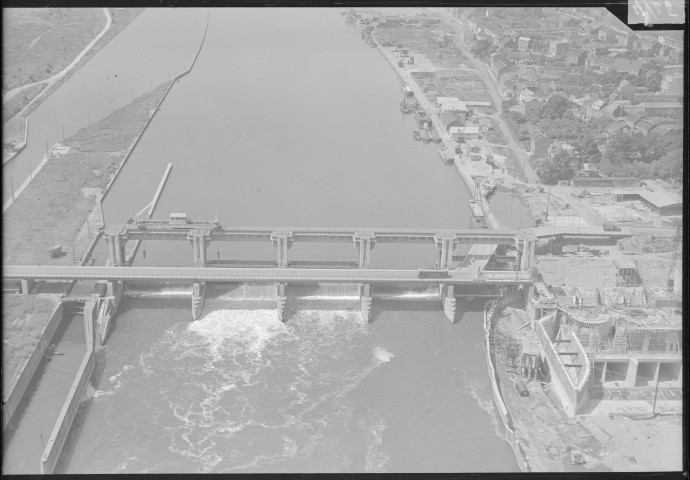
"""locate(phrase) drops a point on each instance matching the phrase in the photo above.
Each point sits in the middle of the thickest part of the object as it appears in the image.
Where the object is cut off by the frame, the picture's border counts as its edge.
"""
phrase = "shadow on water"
(33, 385)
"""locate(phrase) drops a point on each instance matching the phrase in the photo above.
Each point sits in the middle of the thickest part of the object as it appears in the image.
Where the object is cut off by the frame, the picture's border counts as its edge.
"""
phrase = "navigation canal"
(288, 118)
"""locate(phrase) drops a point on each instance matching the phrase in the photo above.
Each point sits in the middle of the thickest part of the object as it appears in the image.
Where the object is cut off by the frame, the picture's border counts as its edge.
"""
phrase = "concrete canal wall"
(14, 396)
(490, 310)
(56, 442)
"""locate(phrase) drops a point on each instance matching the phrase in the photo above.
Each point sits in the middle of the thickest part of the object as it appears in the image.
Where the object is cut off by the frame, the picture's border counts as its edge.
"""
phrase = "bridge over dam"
(504, 261)
(199, 234)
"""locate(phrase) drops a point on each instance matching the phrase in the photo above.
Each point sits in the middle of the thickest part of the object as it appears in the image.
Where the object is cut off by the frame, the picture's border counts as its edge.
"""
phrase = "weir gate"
(497, 260)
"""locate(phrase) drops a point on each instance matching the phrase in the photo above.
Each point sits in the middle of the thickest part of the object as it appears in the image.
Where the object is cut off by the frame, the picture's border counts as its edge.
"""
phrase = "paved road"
(254, 274)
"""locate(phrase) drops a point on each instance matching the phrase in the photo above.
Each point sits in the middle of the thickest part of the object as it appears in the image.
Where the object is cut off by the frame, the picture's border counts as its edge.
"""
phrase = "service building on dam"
(260, 239)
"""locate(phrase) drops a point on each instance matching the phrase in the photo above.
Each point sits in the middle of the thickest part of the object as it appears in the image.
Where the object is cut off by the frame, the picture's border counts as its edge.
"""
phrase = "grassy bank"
(40, 43)
(23, 320)
(56, 204)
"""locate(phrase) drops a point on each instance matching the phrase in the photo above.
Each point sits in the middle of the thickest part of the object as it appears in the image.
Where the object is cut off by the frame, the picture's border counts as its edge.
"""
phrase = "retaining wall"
(490, 312)
(13, 398)
(56, 442)
(572, 394)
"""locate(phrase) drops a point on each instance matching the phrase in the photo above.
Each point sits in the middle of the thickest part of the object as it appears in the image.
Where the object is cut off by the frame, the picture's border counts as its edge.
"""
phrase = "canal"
(288, 118)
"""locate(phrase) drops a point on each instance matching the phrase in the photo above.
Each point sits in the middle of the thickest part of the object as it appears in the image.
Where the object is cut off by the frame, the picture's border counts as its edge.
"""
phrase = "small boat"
(426, 137)
(421, 116)
(488, 188)
(417, 134)
(406, 107)
(434, 135)
(407, 90)
(445, 155)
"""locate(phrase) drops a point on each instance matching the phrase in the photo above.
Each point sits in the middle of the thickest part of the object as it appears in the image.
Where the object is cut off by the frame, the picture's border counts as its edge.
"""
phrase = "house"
(661, 203)
(631, 120)
(613, 110)
(469, 133)
(624, 90)
(528, 93)
(449, 119)
(568, 22)
(595, 109)
(672, 84)
(558, 48)
(575, 56)
(532, 109)
(595, 48)
(653, 108)
(625, 39)
(559, 145)
(674, 56)
(607, 35)
(507, 43)
(498, 68)
(540, 146)
(507, 87)
(520, 58)
(644, 126)
(588, 170)
(524, 44)
(451, 103)
(593, 28)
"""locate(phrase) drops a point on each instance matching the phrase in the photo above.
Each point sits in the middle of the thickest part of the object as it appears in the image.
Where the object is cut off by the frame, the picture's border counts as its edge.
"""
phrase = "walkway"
(50, 81)
(282, 275)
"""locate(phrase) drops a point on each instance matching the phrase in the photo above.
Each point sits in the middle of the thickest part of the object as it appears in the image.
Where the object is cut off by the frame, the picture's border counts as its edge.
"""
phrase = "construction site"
(591, 369)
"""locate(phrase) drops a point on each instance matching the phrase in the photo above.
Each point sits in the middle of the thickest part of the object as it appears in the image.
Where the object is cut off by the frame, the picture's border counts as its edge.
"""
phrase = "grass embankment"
(41, 42)
(55, 205)
(14, 105)
(23, 320)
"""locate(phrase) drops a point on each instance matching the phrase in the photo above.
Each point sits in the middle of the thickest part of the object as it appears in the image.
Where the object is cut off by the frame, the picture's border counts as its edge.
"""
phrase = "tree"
(555, 107)
(480, 47)
(550, 171)
(506, 104)
(585, 144)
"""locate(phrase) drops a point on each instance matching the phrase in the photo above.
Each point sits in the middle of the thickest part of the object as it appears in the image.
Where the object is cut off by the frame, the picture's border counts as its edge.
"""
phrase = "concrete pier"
(282, 242)
(446, 244)
(365, 243)
(198, 298)
(27, 286)
(447, 294)
(281, 301)
(365, 301)
(199, 243)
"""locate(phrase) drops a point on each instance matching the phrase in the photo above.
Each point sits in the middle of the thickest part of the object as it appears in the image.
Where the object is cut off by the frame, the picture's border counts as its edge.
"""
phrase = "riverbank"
(56, 205)
(53, 51)
(23, 320)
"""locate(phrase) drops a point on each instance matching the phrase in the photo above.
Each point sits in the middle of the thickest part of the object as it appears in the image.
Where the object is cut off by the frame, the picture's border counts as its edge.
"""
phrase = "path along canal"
(288, 118)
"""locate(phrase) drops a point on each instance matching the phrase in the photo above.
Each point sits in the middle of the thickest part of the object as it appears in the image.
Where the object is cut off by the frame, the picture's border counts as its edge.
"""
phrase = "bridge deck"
(291, 275)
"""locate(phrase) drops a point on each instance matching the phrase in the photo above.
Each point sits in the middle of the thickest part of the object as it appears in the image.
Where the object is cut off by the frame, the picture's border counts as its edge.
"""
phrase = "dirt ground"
(54, 207)
(609, 442)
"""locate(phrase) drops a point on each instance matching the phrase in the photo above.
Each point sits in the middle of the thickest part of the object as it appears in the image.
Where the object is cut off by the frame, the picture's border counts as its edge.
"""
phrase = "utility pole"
(548, 201)
(656, 389)
(12, 186)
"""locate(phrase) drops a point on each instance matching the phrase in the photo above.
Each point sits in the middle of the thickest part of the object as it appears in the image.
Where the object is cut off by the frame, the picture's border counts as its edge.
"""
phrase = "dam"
(324, 390)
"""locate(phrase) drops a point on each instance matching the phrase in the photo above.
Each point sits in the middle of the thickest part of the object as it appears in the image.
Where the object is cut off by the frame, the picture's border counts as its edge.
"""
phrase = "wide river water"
(289, 119)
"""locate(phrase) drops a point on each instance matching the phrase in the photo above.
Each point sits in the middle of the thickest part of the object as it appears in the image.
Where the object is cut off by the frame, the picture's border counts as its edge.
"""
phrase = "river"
(288, 118)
